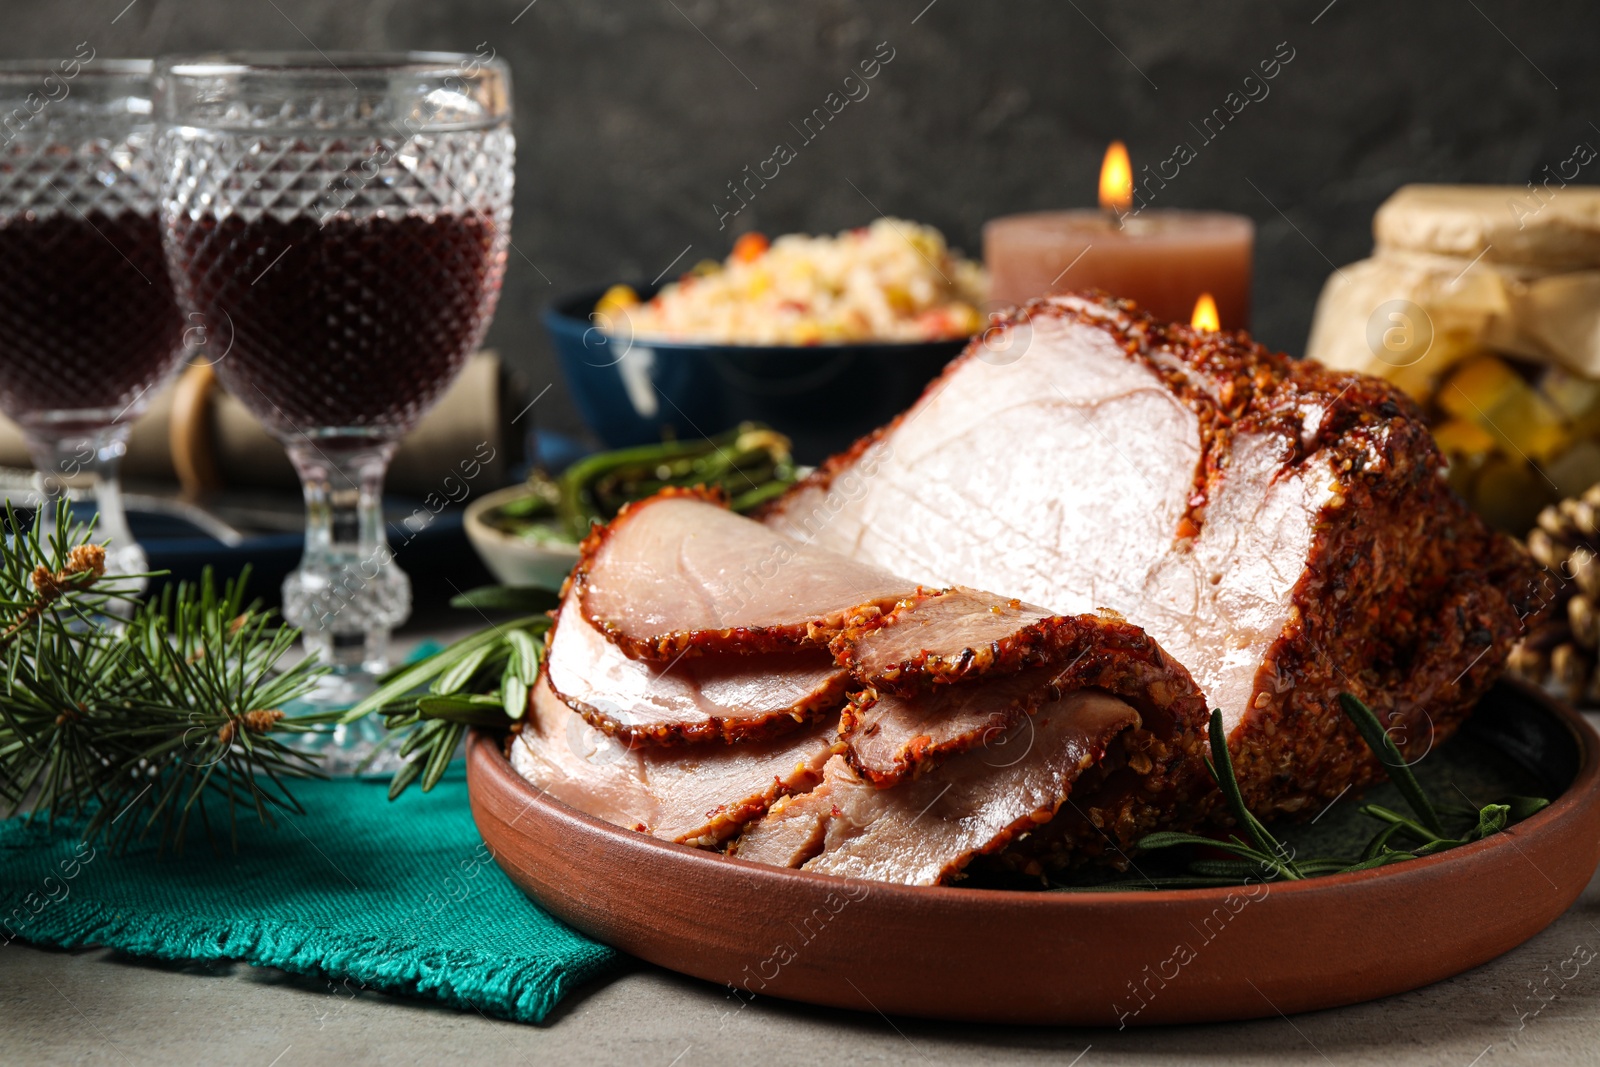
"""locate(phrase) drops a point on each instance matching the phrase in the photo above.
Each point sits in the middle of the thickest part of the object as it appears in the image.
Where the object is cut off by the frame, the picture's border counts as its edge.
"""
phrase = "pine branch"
(140, 727)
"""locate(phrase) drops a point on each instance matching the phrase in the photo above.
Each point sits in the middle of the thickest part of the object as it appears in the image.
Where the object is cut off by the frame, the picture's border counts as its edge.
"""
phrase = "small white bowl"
(511, 559)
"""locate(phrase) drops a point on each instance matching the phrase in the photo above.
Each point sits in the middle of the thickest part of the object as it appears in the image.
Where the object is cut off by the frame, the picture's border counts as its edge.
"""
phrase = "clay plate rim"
(713, 917)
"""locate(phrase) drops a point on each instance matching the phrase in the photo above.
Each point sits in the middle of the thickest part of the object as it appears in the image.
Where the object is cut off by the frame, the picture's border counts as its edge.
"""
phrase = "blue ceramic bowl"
(822, 396)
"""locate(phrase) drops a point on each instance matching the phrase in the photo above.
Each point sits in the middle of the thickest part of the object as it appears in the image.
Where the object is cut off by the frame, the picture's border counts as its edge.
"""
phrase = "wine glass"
(88, 326)
(343, 220)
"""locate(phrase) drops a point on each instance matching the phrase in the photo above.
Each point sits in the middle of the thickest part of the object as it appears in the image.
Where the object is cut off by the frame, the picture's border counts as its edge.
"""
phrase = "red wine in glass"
(87, 319)
(351, 327)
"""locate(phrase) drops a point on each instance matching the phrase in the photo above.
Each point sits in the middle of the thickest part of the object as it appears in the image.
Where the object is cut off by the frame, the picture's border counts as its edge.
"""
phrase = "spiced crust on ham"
(721, 698)
(1282, 529)
(678, 575)
(892, 736)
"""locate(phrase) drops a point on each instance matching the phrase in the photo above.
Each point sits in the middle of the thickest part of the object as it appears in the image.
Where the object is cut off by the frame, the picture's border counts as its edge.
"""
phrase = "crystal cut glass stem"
(348, 594)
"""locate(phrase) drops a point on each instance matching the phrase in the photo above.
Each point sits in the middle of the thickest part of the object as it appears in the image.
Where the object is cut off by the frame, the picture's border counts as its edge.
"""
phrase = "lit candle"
(1163, 260)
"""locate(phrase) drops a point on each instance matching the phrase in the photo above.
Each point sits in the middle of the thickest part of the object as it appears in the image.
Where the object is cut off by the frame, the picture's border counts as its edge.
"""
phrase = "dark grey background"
(633, 114)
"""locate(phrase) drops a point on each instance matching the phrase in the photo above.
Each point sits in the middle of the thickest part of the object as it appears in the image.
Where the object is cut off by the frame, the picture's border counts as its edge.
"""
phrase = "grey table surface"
(98, 1006)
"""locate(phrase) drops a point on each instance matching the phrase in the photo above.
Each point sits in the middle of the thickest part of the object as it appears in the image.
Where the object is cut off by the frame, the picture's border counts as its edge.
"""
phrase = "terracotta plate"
(1102, 958)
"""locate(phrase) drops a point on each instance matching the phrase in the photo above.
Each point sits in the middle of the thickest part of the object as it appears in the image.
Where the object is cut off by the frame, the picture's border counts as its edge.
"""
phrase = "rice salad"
(892, 281)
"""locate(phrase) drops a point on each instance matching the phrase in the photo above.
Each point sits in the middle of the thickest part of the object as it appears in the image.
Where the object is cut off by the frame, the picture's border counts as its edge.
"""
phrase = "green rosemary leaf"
(460, 673)
(1241, 870)
(1265, 862)
(1525, 807)
(398, 689)
(1491, 820)
(1330, 865)
(1174, 838)
(431, 705)
(1401, 823)
(524, 655)
(443, 751)
(1236, 869)
(1380, 843)
(401, 718)
(472, 710)
(513, 695)
(423, 735)
(1383, 746)
(1221, 766)
(403, 778)
(1381, 860)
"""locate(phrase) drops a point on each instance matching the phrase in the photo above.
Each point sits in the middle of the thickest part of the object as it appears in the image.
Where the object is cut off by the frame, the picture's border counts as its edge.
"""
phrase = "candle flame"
(1116, 179)
(1205, 314)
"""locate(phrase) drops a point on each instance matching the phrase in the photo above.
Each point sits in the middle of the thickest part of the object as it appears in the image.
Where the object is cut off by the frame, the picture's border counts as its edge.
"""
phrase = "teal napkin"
(402, 897)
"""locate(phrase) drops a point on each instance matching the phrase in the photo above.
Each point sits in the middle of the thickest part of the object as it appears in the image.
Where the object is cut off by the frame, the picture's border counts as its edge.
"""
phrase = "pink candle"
(1164, 260)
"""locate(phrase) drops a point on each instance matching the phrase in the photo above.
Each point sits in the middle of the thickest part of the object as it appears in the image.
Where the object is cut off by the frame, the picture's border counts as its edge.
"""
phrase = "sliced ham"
(925, 831)
(695, 699)
(944, 636)
(697, 794)
(1283, 531)
(679, 575)
(959, 634)
(892, 736)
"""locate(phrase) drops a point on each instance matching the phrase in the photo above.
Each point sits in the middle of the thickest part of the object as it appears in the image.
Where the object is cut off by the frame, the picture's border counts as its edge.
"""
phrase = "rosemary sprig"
(1383, 746)
(143, 727)
(481, 680)
(1260, 856)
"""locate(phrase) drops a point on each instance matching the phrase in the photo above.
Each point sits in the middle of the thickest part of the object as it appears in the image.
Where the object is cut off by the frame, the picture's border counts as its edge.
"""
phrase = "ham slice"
(944, 636)
(1281, 530)
(697, 794)
(958, 634)
(892, 736)
(679, 575)
(925, 831)
(721, 697)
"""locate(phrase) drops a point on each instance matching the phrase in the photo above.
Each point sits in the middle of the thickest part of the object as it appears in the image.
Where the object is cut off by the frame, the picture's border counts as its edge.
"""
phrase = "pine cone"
(1563, 651)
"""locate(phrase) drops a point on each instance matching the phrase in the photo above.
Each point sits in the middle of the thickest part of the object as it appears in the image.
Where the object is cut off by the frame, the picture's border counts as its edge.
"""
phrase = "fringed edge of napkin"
(508, 989)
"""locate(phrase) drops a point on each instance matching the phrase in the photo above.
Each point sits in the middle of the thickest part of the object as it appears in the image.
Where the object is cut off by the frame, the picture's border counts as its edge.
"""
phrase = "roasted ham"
(696, 699)
(924, 831)
(693, 794)
(1169, 521)
(1282, 530)
(680, 575)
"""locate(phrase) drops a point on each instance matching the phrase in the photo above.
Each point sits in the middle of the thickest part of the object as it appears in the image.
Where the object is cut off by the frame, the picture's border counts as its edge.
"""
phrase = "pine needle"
(141, 726)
